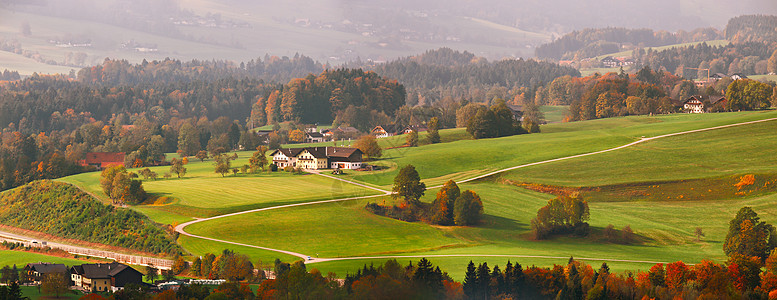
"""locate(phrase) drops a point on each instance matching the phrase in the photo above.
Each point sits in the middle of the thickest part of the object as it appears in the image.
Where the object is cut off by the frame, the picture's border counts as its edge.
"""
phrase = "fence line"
(159, 263)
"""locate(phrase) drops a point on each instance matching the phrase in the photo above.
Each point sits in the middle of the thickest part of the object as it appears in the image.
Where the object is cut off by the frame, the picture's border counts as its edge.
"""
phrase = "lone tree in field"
(121, 187)
(223, 164)
(433, 131)
(202, 155)
(177, 168)
(258, 160)
(408, 185)
(368, 145)
(749, 236)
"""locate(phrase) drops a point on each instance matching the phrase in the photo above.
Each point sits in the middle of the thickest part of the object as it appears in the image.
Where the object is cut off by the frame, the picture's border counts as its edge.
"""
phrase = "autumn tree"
(468, 209)
(443, 205)
(223, 164)
(411, 139)
(121, 187)
(433, 130)
(55, 283)
(368, 145)
(258, 160)
(188, 140)
(408, 185)
(749, 236)
(745, 94)
(564, 214)
(177, 168)
(296, 136)
(202, 155)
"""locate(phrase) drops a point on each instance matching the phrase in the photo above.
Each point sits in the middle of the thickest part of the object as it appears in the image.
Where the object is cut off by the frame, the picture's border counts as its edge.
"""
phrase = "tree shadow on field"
(502, 223)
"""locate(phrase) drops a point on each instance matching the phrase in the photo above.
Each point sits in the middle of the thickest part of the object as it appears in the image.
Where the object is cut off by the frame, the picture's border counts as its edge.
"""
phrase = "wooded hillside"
(65, 211)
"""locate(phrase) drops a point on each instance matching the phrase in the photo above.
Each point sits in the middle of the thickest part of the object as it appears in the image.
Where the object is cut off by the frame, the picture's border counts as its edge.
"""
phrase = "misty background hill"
(57, 36)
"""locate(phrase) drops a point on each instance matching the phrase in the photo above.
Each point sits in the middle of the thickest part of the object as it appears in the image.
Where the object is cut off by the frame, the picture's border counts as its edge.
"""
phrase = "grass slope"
(21, 259)
(462, 159)
(203, 193)
(346, 229)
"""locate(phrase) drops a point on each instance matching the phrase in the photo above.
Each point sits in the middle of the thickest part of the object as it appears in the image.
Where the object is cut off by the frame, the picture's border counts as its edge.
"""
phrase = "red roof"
(103, 159)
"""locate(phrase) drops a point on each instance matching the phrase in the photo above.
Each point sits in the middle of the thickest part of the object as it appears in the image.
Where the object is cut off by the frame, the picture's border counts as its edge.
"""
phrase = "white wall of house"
(346, 165)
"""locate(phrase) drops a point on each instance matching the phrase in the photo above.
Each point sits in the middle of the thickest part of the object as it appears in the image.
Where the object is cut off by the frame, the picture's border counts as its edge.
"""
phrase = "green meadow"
(21, 259)
(639, 186)
(665, 227)
(203, 193)
(465, 158)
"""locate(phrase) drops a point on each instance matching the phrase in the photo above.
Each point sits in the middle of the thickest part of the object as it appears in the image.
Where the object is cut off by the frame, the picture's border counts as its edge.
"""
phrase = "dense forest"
(319, 99)
(591, 42)
(82, 217)
(745, 58)
(172, 71)
(445, 73)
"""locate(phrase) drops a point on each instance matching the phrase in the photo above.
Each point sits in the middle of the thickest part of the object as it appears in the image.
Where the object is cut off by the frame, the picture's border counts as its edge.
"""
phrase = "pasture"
(21, 259)
(465, 158)
(203, 193)
(665, 227)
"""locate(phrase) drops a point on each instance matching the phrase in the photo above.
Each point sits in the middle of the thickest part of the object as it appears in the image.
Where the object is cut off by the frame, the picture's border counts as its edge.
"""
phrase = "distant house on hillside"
(382, 131)
(315, 158)
(314, 137)
(700, 104)
(102, 160)
(104, 277)
(416, 128)
(36, 271)
(610, 62)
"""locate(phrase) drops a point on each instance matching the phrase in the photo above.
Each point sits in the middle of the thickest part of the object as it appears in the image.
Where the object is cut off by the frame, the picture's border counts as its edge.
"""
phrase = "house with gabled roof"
(381, 131)
(700, 104)
(102, 277)
(314, 137)
(314, 158)
(36, 271)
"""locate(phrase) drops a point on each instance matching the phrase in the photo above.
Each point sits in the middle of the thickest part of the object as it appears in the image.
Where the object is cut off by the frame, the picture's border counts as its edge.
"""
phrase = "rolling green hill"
(667, 168)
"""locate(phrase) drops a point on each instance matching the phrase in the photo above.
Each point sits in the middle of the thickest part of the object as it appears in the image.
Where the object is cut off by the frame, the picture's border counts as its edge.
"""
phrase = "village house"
(36, 271)
(314, 137)
(314, 158)
(104, 277)
(699, 104)
(382, 131)
(102, 160)
(416, 128)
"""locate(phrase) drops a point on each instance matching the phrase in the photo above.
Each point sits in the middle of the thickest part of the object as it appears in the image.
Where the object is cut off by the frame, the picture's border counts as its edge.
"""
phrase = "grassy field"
(21, 259)
(462, 159)
(554, 113)
(714, 153)
(203, 193)
(763, 77)
(666, 227)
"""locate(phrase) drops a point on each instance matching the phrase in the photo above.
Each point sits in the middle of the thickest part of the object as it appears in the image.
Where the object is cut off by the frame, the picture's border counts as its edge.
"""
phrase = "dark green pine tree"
(497, 282)
(484, 278)
(470, 281)
(518, 286)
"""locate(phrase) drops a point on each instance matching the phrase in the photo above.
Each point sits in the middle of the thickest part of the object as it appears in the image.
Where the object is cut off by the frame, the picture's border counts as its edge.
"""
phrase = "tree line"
(322, 98)
(591, 42)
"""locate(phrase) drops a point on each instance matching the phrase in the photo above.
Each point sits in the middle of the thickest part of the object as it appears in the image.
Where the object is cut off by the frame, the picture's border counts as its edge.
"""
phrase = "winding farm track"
(308, 259)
